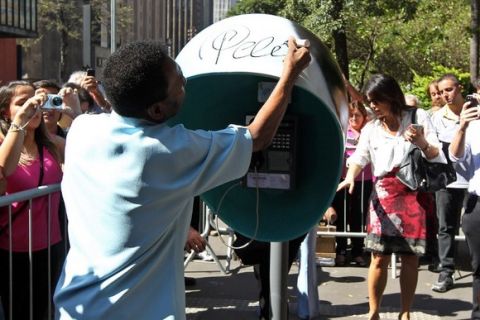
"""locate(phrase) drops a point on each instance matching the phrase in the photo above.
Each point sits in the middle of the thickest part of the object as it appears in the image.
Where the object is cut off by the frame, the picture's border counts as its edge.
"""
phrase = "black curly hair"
(134, 77)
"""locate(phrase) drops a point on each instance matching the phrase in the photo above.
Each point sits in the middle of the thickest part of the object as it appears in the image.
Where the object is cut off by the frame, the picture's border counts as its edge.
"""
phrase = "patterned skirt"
(397, 218)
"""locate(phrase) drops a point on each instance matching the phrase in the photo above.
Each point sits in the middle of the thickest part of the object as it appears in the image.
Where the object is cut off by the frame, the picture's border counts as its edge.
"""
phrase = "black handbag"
(421, 175)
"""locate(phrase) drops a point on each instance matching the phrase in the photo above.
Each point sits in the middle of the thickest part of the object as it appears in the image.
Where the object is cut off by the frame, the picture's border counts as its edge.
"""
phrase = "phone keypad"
(282, 141)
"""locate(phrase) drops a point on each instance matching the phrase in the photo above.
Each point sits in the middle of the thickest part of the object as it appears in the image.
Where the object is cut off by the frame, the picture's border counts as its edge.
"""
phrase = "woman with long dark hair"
(28, 158)
(397, 215)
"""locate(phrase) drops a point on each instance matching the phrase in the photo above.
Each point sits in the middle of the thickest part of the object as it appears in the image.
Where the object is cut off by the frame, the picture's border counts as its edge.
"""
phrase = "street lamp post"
(113, 23)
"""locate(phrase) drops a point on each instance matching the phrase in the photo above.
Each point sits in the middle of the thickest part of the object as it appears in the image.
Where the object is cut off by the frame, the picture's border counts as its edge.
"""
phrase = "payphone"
(274, 167)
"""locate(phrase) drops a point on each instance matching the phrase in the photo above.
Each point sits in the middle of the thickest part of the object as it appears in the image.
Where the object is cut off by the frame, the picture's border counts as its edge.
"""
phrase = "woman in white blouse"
(397, 215)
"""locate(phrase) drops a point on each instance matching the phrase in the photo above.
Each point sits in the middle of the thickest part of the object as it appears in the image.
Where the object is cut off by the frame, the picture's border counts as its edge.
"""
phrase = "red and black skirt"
(397, 220)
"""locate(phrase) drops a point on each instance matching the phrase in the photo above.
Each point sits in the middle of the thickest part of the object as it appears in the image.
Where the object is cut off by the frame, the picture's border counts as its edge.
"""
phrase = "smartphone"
(91, 72)
(472, 98)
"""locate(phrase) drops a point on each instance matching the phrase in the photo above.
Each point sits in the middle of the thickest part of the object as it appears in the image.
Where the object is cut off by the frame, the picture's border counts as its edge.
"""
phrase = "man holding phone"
(465, 149)
(449, 201)
(94, 87)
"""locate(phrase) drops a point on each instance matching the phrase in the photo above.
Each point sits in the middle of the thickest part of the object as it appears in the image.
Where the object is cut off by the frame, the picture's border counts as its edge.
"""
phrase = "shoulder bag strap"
(413, 121)
(414, 115)
(40, 155)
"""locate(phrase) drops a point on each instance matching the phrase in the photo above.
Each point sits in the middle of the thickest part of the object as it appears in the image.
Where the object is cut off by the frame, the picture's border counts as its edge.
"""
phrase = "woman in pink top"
(350, 209)
(28, 158)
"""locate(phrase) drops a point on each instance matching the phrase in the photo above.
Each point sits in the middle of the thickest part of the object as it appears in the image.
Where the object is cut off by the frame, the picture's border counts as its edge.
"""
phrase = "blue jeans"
(307, 298)
(449, 203)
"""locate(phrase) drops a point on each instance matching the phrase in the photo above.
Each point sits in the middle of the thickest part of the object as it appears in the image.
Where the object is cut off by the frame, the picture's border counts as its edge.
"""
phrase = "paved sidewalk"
(342, 292)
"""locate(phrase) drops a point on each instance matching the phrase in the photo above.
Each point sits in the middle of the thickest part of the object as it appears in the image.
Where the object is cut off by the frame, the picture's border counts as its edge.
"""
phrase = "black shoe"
(340, 260)
(189, 282)
(359, 261)
(444, 283)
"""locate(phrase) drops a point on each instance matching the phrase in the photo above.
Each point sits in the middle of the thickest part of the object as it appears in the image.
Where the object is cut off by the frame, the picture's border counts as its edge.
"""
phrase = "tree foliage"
(420, 83)
(403, 38)
(265, 6)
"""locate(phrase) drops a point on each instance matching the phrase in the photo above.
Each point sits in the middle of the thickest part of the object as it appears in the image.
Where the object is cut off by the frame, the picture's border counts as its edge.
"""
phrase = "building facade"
(221, 8)
(18, 19)
(173, 22)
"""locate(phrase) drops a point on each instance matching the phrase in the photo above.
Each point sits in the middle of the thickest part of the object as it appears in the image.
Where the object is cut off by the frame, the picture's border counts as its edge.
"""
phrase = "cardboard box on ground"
(325, 250)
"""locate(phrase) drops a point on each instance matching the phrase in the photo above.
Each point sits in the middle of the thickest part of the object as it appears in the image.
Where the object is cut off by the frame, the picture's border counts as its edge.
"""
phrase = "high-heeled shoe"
(375, 316)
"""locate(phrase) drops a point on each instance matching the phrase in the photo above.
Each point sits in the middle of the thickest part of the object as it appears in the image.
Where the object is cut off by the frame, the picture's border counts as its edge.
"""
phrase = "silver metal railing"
(8, 200)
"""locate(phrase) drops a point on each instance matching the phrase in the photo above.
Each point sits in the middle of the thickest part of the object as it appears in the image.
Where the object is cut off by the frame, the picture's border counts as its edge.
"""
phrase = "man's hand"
(71, 102)
(468, 114)
(296, 59)
(195, 241)
(330, 215)
(91, 84)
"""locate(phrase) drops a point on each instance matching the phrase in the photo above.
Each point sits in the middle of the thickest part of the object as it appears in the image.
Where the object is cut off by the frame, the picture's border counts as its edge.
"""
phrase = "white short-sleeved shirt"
(128, 188)
(386, 152)
(471, 157)
(446, 127)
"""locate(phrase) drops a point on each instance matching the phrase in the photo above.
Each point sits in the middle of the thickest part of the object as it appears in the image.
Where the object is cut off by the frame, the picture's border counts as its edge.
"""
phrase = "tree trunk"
(371, 54)
(340, 38)
(474, 41)
(63, 54)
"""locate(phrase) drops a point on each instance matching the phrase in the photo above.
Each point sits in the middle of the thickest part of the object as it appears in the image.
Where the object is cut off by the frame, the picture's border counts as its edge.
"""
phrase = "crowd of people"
(129, 185)
(399, 219)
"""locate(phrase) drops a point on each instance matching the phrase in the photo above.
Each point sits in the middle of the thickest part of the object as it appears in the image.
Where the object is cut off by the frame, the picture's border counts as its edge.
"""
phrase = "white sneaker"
(204, 256)
(325, 262)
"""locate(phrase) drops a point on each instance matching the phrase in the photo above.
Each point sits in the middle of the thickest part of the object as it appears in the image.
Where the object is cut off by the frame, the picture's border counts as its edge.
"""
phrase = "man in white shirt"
(130, 180)
(465, 148)
(449, 201)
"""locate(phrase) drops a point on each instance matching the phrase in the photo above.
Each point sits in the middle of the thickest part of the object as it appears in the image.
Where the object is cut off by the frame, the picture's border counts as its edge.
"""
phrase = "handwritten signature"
(240, 43)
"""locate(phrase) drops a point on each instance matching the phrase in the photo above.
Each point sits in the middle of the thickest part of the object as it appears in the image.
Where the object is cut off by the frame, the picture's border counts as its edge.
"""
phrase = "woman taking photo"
(397, 215)
(28, 159)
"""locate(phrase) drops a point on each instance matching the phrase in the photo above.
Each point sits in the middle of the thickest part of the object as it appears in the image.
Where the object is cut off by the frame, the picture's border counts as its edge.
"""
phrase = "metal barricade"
(207, 222)
(29, 195)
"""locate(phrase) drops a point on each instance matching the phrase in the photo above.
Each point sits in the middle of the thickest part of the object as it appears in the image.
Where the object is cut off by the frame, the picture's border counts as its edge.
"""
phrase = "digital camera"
(54, 102)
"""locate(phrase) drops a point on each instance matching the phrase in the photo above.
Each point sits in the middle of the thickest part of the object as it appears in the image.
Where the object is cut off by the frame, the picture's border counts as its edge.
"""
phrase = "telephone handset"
(274, 167)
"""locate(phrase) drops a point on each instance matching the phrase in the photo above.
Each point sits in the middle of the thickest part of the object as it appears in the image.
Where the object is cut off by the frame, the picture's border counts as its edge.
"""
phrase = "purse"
(421, 175)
